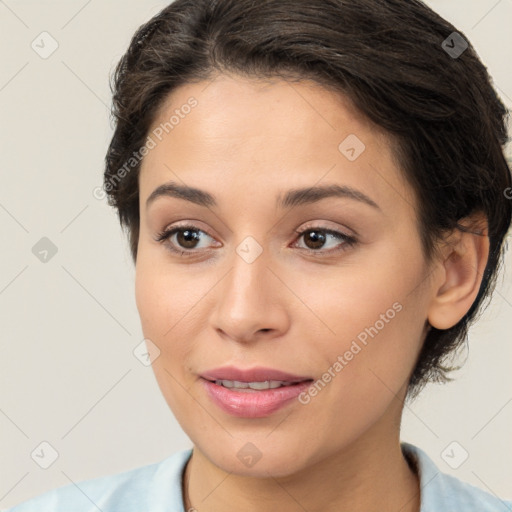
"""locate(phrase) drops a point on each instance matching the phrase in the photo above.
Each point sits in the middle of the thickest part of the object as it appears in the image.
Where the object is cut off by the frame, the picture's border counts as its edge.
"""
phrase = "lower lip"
(253, 404)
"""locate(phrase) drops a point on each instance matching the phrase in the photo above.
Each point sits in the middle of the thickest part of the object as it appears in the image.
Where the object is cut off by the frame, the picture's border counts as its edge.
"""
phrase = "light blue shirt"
(157, 488)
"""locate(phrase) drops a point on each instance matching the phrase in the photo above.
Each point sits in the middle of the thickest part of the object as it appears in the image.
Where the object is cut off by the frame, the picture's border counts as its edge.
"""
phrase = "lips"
(255, 392)
(253, 404)
(257, 374)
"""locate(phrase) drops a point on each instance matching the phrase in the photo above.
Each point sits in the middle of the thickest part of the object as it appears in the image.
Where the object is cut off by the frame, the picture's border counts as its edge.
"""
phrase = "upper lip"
(257, 374)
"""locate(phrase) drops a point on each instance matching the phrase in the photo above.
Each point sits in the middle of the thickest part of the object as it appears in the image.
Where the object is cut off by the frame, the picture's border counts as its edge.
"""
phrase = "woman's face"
(343, 304)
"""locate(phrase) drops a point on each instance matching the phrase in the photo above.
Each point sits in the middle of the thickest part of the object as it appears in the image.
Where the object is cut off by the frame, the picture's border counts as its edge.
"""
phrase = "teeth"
(268, 384)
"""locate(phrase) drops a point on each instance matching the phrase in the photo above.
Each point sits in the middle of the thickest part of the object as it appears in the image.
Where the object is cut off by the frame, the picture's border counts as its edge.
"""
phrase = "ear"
(462, 265)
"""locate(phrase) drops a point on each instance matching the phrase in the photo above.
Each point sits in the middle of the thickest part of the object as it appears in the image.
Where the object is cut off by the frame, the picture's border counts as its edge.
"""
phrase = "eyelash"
(349, 241)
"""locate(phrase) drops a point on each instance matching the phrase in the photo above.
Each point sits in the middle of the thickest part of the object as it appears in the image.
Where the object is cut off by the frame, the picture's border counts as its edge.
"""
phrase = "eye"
(186, 237)
(317, 237)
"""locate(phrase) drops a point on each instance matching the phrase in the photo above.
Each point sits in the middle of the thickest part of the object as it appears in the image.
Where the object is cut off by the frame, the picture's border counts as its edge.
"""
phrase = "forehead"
(244, 132)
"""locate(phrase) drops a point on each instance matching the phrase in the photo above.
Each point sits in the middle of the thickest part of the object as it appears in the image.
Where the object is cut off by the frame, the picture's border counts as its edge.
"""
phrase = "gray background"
(69, 325)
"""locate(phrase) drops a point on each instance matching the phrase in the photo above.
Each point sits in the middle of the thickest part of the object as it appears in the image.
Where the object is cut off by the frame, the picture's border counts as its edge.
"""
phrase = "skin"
(246, 142)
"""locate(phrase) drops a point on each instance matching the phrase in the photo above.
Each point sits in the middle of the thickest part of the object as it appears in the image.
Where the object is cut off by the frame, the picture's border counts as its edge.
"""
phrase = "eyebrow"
(292, 197)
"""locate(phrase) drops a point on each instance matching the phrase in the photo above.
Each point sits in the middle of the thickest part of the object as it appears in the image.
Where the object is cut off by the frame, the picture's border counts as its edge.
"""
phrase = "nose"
(251, 301)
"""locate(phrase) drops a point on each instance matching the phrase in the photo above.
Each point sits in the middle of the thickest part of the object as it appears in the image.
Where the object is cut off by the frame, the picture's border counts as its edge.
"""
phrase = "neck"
(370, 475)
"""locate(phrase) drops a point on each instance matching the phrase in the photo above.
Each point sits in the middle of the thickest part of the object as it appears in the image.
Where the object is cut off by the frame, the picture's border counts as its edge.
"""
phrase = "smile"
(253, 399)
(256, 386)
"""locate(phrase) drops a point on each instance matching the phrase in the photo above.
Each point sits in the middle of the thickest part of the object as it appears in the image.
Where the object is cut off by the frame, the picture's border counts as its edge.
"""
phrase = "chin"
(255, 456)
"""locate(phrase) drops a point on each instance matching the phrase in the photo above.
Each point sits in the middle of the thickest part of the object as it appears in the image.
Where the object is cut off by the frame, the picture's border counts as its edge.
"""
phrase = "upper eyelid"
(309, 225)
(318, 224)
(190, 225)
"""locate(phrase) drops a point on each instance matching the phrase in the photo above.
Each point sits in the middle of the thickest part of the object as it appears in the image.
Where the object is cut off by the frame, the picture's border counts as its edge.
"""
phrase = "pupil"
(317, 237)
(188, 237)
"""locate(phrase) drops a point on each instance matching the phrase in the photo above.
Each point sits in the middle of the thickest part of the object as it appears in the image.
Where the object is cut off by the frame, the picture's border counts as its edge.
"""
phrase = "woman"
(315, 194)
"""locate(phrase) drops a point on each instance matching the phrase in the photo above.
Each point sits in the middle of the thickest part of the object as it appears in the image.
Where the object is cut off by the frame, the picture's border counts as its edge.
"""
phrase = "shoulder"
(155, 487)
(440, 491)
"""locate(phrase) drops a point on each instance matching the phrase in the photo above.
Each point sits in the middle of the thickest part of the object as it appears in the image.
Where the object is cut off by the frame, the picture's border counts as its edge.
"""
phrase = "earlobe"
(463, 262)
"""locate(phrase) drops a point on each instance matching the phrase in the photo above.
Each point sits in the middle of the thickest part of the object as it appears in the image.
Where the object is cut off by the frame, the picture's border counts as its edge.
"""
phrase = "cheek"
(159, 318)
(169, 306)
(372, 324)
(367, 362)
(165, 298)
(164, 320)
